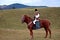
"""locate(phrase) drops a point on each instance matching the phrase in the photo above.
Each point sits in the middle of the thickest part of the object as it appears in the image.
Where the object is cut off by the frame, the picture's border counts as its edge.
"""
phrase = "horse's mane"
(28, 17)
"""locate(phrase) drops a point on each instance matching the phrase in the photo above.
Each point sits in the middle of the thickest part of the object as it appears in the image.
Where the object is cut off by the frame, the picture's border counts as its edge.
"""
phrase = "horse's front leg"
(31, 34)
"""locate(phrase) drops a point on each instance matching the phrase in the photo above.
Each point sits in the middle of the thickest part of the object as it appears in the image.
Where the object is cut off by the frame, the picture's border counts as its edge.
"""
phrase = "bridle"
(23, 18)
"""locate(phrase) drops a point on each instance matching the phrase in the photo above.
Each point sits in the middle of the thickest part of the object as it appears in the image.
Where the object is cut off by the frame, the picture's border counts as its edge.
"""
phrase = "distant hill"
(17, 5)
(38, 6)
(2, 6)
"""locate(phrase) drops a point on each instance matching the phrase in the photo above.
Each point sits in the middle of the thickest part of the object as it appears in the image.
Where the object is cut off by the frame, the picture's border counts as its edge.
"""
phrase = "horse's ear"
(25, 15)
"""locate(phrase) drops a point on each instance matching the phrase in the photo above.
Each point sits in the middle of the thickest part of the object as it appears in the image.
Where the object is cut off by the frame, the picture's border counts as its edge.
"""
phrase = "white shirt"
(37, 16)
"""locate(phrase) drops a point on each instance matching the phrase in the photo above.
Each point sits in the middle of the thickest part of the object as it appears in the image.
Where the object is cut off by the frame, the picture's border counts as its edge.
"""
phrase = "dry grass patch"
(10, 34)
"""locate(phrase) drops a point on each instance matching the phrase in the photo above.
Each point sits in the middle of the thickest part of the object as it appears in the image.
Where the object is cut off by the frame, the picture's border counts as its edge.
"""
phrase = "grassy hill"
(11, 19)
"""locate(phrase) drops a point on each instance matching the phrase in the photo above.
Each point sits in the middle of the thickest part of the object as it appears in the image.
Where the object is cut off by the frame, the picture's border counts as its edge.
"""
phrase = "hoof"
(30, 39)
(50, 37)
(45, 37)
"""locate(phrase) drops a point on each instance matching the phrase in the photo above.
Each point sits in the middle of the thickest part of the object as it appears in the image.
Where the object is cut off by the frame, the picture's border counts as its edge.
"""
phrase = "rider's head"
(36, 10)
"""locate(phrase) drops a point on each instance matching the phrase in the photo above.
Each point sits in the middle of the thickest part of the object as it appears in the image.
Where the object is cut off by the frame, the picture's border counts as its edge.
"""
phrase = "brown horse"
(43, 23)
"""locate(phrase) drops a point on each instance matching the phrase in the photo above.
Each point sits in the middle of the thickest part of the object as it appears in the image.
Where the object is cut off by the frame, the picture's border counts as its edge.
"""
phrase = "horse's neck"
(28, 20)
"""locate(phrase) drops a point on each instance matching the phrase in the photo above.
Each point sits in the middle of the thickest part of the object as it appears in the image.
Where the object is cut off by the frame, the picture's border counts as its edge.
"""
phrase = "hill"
(12, 18)
(10, 22)
(17, 5)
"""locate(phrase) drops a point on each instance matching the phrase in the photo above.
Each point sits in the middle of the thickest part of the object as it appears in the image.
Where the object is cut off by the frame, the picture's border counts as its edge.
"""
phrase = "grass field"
(10, 34)
(11, 27)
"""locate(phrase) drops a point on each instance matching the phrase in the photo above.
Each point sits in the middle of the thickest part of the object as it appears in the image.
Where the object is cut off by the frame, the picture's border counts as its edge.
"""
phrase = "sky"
(50, 3)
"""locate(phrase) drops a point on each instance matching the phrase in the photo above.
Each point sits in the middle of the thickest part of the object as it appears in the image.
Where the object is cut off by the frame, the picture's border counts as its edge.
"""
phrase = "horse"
(43, 24)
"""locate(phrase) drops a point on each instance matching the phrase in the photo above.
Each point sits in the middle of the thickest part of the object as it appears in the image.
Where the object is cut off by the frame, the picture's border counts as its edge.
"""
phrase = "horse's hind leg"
(49, 32)
(46, 32)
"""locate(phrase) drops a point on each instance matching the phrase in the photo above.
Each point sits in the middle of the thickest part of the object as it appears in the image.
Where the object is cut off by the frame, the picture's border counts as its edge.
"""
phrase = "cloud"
(4, 2)
(25, 1)
(32, 2)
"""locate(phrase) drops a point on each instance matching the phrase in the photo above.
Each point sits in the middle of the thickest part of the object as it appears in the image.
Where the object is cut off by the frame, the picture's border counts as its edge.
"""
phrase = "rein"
(29, 23)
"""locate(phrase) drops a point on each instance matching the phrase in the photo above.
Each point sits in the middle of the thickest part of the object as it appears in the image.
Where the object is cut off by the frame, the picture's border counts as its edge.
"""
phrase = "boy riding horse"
(36, 19)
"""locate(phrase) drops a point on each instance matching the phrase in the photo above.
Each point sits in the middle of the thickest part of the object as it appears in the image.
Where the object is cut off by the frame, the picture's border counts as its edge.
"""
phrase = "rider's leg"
(34, 21)
(37, 24)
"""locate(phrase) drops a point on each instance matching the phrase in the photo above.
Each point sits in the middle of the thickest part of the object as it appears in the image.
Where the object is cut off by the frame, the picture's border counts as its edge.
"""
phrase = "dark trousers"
(37, 24)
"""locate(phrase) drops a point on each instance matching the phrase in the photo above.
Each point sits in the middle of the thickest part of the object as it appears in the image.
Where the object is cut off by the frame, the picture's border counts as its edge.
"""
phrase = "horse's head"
(23, 18)
(26, 19)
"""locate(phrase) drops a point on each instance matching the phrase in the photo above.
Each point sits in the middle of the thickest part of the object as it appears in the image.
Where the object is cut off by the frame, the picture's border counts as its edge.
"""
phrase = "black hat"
(36, 10)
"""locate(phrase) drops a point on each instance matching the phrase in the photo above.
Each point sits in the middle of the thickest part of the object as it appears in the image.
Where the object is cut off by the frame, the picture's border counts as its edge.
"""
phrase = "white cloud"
(32, 2)
(3, 2)
(25, 1)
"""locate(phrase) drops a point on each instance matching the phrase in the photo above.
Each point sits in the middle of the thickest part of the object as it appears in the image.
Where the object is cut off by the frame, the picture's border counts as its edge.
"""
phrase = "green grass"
(11, 27)
(11, 19)
(11, 34)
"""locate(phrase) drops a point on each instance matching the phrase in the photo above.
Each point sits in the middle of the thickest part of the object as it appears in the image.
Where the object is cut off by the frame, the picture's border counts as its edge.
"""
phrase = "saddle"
(36, 26)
